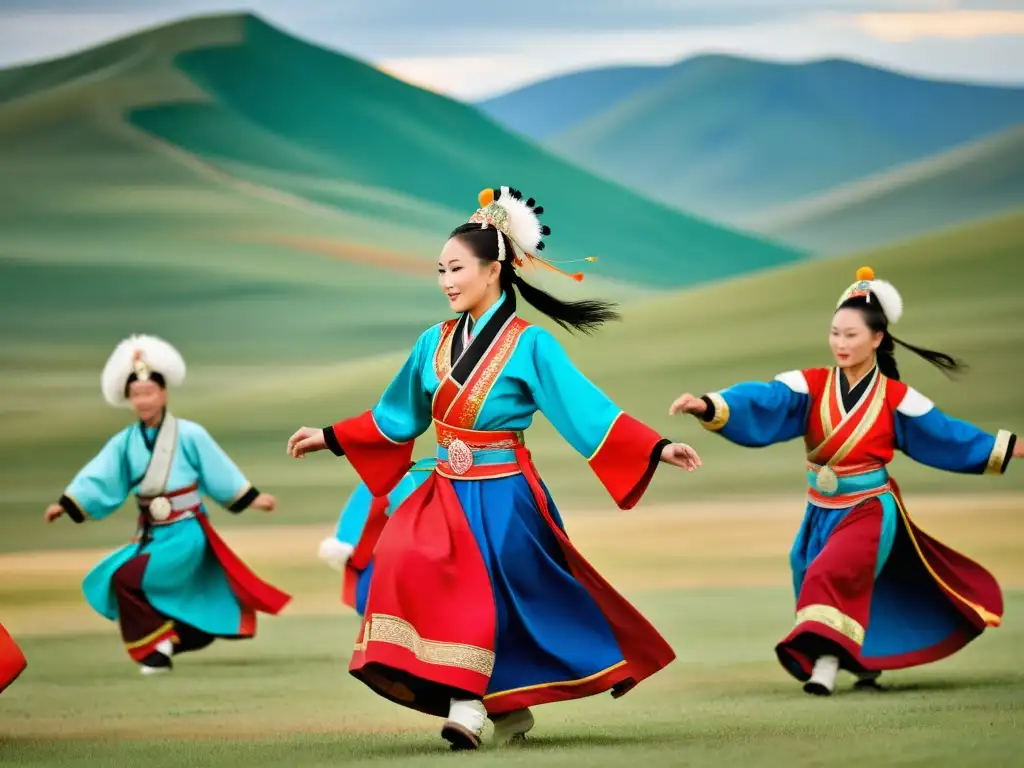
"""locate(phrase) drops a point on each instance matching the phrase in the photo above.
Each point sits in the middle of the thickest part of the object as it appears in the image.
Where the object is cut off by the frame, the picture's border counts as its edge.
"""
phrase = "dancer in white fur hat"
(177, 586)
(874, 592)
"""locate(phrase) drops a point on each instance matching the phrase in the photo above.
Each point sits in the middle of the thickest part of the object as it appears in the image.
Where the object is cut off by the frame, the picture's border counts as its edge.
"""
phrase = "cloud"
(473, 49)
(956, 24)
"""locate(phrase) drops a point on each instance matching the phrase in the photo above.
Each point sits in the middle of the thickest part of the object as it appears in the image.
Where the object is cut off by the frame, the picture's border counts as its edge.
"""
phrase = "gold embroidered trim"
(480, 440)
(381, 628)
(834, 618)
(480, 383)
(560, 683)
(166, 627)
(867, 421)
(721, 416)
(997, 459)
(826, 411)
(869, 415)
(443, 355)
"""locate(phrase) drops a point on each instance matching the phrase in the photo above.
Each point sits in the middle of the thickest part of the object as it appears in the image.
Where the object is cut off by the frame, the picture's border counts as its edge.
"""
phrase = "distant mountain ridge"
(262, 106)
(729, 137)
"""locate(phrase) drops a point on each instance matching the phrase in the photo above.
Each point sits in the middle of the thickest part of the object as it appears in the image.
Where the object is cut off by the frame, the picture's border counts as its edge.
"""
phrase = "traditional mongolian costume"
(478, 602)
(177, 586)
(12, 660)
(874, 592)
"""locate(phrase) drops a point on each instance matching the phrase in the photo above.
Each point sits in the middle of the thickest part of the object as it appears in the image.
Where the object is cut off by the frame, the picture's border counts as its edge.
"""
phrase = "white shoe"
(164, 648)
(465, 723)
(512, 726)
(823, 677)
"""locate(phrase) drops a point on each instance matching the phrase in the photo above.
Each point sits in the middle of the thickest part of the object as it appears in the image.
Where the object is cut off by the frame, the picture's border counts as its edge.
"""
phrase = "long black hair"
(875, 319)
(585, 315)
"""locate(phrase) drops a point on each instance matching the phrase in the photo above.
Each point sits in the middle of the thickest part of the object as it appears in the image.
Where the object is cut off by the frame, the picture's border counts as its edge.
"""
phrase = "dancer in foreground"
(478, 603)
(350, 549)
(12, 660)
(177, 586)
(874, 592)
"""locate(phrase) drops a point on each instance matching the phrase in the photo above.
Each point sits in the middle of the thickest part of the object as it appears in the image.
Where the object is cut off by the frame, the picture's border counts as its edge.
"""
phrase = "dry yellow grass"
(685, 546)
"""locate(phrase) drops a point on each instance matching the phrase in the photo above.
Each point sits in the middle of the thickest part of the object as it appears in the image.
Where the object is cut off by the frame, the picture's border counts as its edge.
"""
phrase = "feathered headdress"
(883, 292)
(140, 358)
(503, 208)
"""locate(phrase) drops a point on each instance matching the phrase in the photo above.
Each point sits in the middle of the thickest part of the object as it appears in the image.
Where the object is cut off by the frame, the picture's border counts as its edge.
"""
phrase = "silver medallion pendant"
(460, 457)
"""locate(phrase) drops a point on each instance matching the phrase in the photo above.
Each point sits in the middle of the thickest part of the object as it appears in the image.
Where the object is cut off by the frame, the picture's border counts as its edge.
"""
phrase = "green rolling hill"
(980, 179)
(729, 137)
(253, 386)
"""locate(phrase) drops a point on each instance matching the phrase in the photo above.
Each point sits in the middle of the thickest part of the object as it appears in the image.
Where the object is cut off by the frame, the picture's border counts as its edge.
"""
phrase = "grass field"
(713, 578)
(253, 386)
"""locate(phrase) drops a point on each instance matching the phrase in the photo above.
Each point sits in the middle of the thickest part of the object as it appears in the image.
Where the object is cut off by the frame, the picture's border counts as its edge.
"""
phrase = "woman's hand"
(53, 512)
(1018, 449)
(688, 403)
(680, 455)
(306, 440)
(264, 501)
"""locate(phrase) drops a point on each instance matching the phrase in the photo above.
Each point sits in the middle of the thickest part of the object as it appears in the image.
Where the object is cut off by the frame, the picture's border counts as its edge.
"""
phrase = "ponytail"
(886, 352)
(585, 316)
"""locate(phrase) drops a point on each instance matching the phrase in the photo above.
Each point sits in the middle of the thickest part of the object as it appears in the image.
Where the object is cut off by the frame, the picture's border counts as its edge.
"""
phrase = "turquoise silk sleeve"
(622, 452)
(101, 486)
(219, 476)
(403, 412)
(929, 436)
(756, 414)
(573, 404)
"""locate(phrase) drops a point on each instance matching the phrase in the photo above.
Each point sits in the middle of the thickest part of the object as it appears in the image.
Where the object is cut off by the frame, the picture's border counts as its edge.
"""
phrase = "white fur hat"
(885, 292)
(141, 356)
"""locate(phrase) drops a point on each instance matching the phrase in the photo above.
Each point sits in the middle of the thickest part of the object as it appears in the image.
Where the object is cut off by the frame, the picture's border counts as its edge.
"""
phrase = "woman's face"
(465, 280)
(852, 342)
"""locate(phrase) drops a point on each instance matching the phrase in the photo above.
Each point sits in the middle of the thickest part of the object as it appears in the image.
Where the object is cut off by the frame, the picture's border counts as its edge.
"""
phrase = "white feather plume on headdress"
(148, 353)
(523, 228)
(885, 292)
(504, 209)
(889, 298)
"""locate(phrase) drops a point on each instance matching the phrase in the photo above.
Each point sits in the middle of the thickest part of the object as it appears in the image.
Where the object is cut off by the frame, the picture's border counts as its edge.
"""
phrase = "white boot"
(165, 648)
(512, 726)
(465, 723)
(823, 677)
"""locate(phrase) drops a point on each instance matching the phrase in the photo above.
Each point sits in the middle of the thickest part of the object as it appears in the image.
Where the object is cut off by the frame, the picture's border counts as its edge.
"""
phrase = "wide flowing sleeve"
(101, 486)
(219, 476)
(756, 413)
(379, 442)
(929, 436)
(621, 451)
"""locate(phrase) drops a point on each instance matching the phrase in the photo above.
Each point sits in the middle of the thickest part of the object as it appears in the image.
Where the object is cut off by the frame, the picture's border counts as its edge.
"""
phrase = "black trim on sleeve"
(332, 441)
(242, 502)
(709, 414)
(1009, 453)
(71, 508)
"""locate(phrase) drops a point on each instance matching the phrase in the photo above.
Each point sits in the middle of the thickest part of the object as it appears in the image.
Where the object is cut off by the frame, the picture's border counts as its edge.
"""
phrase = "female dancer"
(874, 592)
(467, 614)
(177, 586)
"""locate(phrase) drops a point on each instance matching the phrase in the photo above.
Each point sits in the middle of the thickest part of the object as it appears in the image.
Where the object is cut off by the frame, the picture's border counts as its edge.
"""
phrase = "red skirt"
(926, 603)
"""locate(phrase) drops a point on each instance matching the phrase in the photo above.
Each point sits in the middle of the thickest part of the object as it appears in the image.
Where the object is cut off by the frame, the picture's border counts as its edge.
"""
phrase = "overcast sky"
(474, 49)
